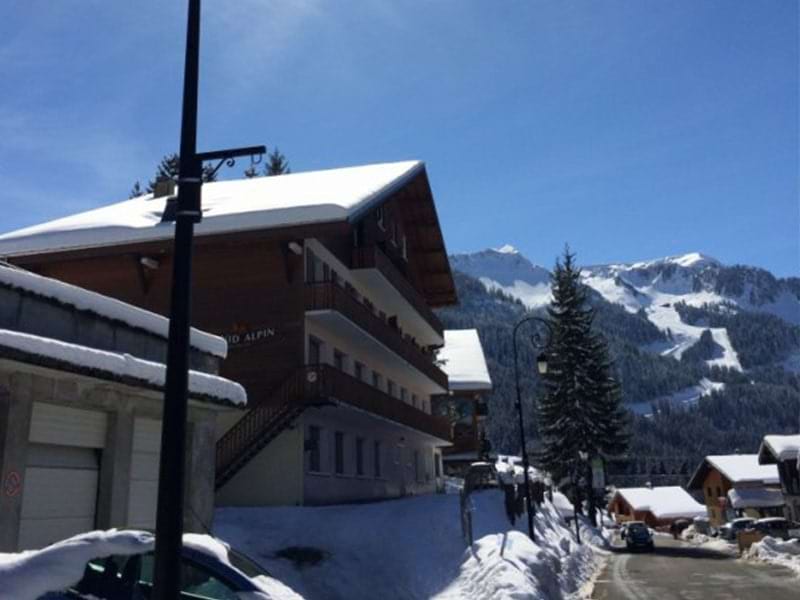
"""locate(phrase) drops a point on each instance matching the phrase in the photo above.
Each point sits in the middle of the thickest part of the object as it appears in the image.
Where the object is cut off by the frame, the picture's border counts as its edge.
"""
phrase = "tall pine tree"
(580, 416)
(169, 168)
(276, 163)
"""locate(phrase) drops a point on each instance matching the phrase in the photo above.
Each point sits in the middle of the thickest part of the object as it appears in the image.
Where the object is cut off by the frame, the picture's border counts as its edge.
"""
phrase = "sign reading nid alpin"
(240, 338)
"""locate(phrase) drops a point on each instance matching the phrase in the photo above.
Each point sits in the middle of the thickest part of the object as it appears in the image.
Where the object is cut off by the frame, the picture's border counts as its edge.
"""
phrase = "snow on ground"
(684, 397)
(777, 552)
(692, 536)
(28, 575)
(411, 548)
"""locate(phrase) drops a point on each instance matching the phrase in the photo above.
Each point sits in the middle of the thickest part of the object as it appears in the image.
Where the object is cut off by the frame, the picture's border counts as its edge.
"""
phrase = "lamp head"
(541, 363)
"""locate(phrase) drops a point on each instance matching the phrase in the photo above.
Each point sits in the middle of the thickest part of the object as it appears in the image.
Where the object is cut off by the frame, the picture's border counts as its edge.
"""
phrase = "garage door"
(61, 474)
(144, 474)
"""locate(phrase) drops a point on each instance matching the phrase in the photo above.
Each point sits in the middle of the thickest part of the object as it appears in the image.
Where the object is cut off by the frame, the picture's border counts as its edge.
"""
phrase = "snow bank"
(463, 360)
(119, 365)
(691, 535)
(771, 550)
(85, 300)
(28, 575)
(413, 548)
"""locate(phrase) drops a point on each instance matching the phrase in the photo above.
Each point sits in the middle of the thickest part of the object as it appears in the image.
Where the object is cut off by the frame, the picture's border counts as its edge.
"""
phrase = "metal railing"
(331, 296)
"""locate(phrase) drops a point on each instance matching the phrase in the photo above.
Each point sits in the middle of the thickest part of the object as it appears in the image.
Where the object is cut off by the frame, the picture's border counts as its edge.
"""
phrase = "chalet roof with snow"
(741, 498)
(81, 299)
(463, 360)
(736, 468)
(775, 448)
(668, 502)
(123, 368)
(313, 199)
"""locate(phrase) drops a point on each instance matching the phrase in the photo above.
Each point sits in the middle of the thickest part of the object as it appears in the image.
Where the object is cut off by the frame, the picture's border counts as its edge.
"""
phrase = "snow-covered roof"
(228, 206)
(738, 468)
(85, 300)
(755, 497)
(668, 502)
(124, 367)
(463, 360)
(781, 447)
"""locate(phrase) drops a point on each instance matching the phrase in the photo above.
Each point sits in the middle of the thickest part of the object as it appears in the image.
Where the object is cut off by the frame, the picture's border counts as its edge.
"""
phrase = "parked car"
(204, 574)
(637, 535)
(730, 529)
(702, 525)
(776, 527)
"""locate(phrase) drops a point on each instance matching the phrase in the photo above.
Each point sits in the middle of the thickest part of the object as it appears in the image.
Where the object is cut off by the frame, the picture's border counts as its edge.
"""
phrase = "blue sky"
(631, 130)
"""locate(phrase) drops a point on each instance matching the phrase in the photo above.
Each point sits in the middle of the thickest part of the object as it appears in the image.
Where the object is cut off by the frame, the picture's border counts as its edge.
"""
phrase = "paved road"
(678, 571)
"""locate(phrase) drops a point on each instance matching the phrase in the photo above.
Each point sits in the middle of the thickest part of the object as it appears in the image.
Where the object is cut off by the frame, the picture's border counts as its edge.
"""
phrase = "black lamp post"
(541, 364)
(169, 518)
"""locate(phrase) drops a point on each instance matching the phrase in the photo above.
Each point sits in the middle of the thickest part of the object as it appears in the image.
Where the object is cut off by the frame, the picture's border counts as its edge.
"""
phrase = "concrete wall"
(274, 477)
(36, 315)
(398, 446)
(21, 384)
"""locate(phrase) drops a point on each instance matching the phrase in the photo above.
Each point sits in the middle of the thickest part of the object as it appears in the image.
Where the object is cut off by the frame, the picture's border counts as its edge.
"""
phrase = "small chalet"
(657, 506)
(468, 381)
(81, 394)
(736, 485)
(784, 451)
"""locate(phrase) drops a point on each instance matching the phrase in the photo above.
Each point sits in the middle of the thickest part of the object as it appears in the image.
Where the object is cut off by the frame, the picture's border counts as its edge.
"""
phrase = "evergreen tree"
(136, 190)
(276, 164)
(169, 168)
(580, 412)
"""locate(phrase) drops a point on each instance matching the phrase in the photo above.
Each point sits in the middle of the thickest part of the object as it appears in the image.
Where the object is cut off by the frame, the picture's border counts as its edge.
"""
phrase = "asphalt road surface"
(678, 571)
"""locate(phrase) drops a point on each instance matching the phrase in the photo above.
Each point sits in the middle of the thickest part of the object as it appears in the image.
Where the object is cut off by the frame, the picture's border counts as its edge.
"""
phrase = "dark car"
(637, 536)
(130, 577)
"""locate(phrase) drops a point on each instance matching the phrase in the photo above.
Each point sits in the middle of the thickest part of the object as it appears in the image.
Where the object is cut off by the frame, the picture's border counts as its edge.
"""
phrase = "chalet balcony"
(373, 257)
(324, 383)
(332, 297)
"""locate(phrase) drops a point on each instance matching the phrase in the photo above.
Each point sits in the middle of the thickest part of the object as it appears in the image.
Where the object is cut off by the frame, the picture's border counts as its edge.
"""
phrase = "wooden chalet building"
(784, 451)
(323, 284)
(463, 360)
(656, 506)
(736, 485)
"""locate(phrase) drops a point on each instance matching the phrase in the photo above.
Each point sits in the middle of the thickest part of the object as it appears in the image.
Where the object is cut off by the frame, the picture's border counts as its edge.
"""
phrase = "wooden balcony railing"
(331, 383)
(331, 296)
(373, 258)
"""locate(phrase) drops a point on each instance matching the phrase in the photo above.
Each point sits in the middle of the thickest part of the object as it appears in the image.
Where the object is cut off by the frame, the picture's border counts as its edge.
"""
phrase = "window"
(710, 493)
(314, 350)
(390, 387)
(417, 475)
(719, 492)
(309, 265)
(376, 458)
(414, 400)
(339, 452)
(359, 456)
(376, 380)
(339, 359)
(313, 447)
(358, 370)
(403, 394)
(196, 581)
(437, 465)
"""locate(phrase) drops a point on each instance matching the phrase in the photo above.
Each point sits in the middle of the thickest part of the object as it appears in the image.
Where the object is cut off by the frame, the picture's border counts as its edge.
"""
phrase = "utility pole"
(169, 518)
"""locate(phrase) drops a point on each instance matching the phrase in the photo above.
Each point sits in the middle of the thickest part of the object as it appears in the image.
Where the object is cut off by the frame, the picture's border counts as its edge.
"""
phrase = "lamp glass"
(541, 363)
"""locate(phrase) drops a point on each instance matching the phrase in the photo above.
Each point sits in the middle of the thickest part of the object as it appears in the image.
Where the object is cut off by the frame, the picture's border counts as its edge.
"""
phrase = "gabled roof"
(463, 360)
(736, 468)
(668, 502)
(81, 299)
(228, 206)
(776, 448)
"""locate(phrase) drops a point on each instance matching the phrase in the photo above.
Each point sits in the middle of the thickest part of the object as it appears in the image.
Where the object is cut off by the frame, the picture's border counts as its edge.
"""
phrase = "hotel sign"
(242, 335)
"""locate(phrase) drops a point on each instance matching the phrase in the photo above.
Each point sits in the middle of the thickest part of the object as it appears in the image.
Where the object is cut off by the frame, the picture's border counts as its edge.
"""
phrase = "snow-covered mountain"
(654, 288)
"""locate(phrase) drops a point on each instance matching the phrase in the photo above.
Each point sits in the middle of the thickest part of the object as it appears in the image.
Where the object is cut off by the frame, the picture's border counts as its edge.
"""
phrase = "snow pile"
(411, 548)
(463, 360)
(692, 536)
(771, 550)
(118, 365)
(84, 300)
(28, 575)
(228, 206)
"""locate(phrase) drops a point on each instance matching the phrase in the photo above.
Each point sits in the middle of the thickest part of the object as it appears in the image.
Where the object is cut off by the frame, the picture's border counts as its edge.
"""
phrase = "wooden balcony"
(325, 383)
(373, 258)
(333, 297)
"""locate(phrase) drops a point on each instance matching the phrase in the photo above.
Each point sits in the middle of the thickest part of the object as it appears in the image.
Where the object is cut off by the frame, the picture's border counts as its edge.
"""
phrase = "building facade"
(323, 284)
(658, 507)
(81, 396)
(784, 451)
(465, 405)
(736, 485)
